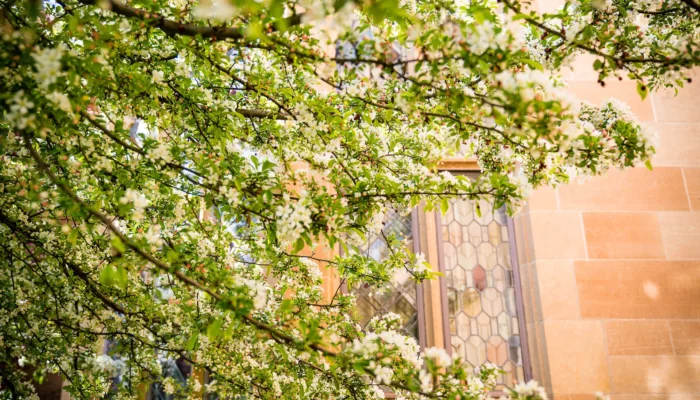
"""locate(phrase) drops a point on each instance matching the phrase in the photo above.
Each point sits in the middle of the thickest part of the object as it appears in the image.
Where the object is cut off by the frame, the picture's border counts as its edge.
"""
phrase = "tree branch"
(619, 60)
(175, 28)
(660, 12)
(41, 164)
(262, 114)
(690, 3)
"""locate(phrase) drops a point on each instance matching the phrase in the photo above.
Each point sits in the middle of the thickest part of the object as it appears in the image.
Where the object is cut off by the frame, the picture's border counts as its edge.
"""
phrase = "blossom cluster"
(169, 170)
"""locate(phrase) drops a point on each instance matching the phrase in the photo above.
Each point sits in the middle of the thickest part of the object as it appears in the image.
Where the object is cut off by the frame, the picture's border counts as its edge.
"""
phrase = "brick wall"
(611, 268)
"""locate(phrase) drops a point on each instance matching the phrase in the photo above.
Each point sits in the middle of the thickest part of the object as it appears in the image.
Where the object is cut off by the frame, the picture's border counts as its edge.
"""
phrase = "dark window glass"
(400, 296)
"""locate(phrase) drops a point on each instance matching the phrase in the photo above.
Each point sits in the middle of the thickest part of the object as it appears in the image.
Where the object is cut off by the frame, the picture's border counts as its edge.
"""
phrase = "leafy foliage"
(165, 162)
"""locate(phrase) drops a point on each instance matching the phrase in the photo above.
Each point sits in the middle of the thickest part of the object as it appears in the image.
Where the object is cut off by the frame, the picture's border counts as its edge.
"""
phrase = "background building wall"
(611, 267)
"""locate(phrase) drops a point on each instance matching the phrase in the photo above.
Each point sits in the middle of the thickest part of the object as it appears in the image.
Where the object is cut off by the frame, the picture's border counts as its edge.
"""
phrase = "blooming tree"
(164, 162)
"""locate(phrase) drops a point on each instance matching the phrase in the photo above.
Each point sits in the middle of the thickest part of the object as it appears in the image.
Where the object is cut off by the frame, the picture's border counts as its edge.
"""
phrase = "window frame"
(424, 299)
(460, 166)
(420, 292)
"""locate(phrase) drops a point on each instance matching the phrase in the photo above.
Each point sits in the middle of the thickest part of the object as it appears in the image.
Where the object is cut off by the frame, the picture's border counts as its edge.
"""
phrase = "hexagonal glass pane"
(486, 254)
(479, 276)
(475, 351)
(492, 302)
(471, 302)
(497, 350)
(481, 291)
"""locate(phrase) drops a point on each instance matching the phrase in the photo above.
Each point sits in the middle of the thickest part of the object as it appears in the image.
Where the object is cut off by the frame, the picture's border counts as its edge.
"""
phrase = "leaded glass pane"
(399, 296)
(480, 289)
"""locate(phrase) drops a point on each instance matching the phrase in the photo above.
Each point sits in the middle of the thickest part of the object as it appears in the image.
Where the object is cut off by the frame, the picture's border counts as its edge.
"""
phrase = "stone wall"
(611, 267)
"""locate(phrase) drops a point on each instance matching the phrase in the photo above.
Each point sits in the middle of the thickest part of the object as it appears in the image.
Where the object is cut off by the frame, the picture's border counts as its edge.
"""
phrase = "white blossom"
(62, 101)
(48, 65)
(216, 10)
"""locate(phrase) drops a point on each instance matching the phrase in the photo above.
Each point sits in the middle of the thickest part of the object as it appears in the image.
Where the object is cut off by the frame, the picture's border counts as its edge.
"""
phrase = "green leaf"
(121, 277)
(172, 255)
(444, 205)
(268, 165)
(254, 30)
(228, 333)
(107, 275)
(237, 183)
(192, 343)
(117, 244)
(647, 163)
(73, 237)
(33, 7)
(214, 329)
(642, 90)
(299, 245)
(307, 238)
(285, 306)
(533, 64)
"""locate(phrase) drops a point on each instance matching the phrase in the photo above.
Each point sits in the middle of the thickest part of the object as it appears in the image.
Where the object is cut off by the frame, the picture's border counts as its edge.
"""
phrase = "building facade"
(592, 287)
(611, 268)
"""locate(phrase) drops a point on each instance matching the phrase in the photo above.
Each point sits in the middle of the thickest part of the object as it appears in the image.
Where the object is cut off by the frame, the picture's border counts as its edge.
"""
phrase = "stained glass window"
(400, 296)
(482, 309)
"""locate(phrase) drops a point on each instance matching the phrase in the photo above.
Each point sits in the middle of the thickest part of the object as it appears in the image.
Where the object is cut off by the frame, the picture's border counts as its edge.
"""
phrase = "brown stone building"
(593, 287)
(611, 268)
